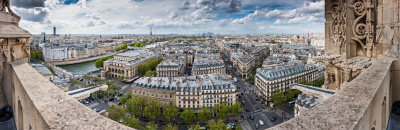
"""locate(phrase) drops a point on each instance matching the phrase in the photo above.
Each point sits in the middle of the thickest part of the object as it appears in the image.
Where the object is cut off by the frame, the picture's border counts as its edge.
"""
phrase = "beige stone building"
(208, 64)
(244, 64)
(174, 66)
(280, 77)
(260, 53)
(160, 88)
(193, 92)
(125, 65)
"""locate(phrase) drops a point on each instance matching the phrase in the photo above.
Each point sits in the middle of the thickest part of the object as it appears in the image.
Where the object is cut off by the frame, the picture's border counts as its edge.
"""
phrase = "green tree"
(292, 94)
(251, 79)
(51, 70)
(129, 95)
(220, 125)
(33, 55)
(151, 126)
(133, 122)
(150, 73)
(221, 110)
(135, 105)
(238, 127)
(194, 127)
(170, 126)
(171, 111)
(204, 114)
(236, 109)
(39, 55)
(99, 63)
(188, 116)
(116, 112)
(152, 109)
(74, 83)
(123, 100)
(86, 77)
(278, 97)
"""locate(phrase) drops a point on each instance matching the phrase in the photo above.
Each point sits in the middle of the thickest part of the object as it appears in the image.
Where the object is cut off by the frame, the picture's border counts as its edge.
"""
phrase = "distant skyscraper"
(54, 31)
(151, 31)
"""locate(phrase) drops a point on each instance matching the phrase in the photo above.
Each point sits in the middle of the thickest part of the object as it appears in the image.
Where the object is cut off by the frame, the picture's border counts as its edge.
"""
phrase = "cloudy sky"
(171, 16)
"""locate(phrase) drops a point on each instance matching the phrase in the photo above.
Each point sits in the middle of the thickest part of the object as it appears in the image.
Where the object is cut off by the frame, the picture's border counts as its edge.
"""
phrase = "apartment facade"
(208, 64)
(280, 77)
(244, 64)
(174, 66)
(125, 65)
(192, 92)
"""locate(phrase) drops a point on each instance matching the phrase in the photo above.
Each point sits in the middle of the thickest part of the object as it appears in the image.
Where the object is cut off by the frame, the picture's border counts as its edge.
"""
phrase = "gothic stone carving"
(338, 26)
(363, 26)
(6, 4)
(13, 53)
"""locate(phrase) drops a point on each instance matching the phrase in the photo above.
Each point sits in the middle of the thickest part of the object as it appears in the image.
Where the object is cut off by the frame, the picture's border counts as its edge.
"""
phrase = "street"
(260, 112)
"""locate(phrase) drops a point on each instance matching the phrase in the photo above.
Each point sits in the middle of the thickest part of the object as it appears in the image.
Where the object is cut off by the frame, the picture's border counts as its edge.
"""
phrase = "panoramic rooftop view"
(200, 64)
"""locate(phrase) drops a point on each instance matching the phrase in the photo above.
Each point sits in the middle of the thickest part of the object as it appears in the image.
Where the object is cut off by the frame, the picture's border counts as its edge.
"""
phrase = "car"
(111, 99)
(261, 122)
(251, 117)
(241, 93)
(243, 102)
(256, 126)
(273, 119)
(291, 104)
(117, 98)
(247, 110)
(97, 110)
(240, 96)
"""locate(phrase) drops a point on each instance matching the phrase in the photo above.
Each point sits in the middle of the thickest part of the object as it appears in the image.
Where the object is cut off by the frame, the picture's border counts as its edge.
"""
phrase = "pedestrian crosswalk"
(246, 125)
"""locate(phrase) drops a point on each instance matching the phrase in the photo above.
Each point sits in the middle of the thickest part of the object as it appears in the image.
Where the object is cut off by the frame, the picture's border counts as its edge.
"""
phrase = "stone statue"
(6, 4)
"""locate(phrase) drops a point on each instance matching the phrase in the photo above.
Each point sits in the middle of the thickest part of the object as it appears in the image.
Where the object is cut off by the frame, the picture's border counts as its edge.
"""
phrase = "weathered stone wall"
(362, 104)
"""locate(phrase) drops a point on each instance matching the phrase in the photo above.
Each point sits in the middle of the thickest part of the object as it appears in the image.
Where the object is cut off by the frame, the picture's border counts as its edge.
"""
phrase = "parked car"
(97, 110)
(240, 96)
(256, 125)
(261, 122)
(241, 93)
(251, 117)
(273, 119)
(243, 102)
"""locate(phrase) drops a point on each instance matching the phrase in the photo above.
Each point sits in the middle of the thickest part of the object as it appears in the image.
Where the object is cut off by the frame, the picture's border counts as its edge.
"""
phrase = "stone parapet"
(362, 104)
(40, 105)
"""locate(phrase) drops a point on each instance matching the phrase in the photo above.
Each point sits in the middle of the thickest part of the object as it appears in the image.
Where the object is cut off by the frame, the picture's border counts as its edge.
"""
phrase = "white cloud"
(172, 16)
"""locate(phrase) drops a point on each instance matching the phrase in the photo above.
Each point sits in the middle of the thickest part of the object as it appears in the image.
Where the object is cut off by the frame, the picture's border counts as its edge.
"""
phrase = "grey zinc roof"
(281, 71)
(132, 53)
(42, 69)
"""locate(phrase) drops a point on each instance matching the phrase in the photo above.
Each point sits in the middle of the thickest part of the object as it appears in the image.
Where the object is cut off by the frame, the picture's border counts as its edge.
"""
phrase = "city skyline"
(171, 17)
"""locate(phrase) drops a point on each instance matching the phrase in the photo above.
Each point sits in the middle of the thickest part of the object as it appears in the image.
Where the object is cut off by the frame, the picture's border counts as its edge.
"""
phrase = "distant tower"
(308, 39)
(151, 31)
(54, 31)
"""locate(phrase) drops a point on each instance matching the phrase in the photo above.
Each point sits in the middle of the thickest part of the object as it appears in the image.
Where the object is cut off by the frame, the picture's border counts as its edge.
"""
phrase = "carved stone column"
(14, 45)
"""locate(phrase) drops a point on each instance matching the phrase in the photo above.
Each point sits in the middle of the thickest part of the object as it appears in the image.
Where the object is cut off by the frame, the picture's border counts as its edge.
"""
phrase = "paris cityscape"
(200, 64)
